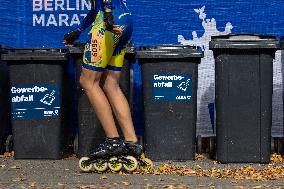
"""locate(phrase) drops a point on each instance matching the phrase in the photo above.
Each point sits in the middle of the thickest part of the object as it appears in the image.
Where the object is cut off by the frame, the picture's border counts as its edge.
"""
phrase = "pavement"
(65, 174)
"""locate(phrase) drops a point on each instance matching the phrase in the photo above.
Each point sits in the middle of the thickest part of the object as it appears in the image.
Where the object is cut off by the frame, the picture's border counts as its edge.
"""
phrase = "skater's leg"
(119, 104)
(90, 82)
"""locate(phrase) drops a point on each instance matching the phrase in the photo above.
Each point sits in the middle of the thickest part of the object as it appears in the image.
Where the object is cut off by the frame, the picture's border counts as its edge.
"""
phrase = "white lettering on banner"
(75, 20)
(23, 98)
(59, 5)
(48, 5)
(63, 18)
(37, 20)
(35, 89)
(51, 20)
(168, 77)
(37, 5)
(58, 19)
(163, 84)
(70, 5)
(86, 3)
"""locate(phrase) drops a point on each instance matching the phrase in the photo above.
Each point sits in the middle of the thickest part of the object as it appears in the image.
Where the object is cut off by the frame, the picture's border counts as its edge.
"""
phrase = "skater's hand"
(70, 37)
(117, 30)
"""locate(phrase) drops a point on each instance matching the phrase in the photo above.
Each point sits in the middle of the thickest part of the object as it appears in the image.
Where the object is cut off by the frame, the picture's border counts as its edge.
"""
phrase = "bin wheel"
(280, 145)
(76, 143)
(273, 145)
(9, 143)
(199, 145)
(212, 148)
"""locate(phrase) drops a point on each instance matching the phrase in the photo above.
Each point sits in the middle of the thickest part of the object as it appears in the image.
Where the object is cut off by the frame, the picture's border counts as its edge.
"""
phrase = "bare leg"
(119, 104)
(90, 82)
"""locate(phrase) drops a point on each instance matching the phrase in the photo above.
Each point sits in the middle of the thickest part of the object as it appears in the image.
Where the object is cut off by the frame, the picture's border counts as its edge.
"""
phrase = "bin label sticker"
(35, 101)
(176, 87)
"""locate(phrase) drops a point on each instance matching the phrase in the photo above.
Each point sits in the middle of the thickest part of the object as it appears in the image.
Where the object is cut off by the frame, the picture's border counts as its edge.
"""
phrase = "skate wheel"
(147, 165)
(83, 166)
(131, 165)
(114, 164)
(100, 166)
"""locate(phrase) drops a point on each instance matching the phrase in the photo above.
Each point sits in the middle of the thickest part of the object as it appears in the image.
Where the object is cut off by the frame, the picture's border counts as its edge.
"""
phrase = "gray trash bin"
(244, 71)
(39, 90)
(169, 75)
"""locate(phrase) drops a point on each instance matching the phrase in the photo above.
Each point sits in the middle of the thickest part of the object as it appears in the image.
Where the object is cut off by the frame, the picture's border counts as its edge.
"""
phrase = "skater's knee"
(88, 83)
(111, 87)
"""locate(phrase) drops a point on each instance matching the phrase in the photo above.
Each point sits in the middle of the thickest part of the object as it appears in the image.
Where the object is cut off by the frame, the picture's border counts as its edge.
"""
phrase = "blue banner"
(35, 101)
(36, 23)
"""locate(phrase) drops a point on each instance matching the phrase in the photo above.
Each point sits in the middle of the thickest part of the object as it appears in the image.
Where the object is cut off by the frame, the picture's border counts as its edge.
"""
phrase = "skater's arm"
(90, 18)
(109, 18)
(74, 35)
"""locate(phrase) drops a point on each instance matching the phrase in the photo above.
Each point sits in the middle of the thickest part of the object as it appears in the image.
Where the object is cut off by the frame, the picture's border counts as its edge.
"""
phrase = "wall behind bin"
(155, 22)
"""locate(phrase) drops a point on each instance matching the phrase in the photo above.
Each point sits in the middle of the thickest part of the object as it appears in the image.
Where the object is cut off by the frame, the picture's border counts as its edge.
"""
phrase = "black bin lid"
(167, 51)
(243, 41)
(4, 49)
(78, 48)
(46, 54)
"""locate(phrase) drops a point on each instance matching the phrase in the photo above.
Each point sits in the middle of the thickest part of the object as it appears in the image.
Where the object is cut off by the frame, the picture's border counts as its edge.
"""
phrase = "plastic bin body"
(170, 119)
(244, 83)
(4, 101)
(90, 131)
(39, 102)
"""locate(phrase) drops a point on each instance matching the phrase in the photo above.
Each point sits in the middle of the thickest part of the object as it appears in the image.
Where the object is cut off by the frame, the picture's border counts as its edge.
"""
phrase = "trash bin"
(90, 131)
(244, 70)
(39, 102)
(169, 75)
(5, 129)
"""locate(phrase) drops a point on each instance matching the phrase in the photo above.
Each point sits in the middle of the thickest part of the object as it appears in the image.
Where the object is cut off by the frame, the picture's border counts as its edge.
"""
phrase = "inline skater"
(103, 58)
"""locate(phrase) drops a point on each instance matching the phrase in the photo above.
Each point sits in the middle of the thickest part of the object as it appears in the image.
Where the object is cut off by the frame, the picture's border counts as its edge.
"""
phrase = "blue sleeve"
(90, 18)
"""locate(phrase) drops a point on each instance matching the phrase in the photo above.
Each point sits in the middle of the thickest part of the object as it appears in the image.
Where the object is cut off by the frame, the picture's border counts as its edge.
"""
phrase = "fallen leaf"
(125, 183)
(215, 162)
(240, 187)
(104, 177)
(33, 184)
(19, 179)
(15, 167)
(257, 187)
(169, 187)
(199, 157)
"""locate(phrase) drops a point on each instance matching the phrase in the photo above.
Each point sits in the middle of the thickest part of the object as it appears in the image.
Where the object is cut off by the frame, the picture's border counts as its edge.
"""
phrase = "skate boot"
(135, 151)
(105, 156)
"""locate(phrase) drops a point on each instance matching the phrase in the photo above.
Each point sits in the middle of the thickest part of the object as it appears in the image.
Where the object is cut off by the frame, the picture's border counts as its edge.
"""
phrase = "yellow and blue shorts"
(105, 50)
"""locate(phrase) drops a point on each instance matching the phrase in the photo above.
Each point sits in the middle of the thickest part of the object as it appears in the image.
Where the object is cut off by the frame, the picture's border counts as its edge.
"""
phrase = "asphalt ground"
(202, 173)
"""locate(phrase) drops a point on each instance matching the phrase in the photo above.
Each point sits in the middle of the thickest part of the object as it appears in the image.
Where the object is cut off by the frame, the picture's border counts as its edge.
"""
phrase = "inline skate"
(135, 151)
(107, 155)
(116, 154)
